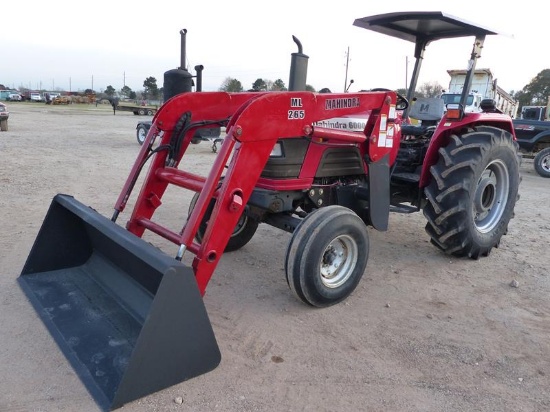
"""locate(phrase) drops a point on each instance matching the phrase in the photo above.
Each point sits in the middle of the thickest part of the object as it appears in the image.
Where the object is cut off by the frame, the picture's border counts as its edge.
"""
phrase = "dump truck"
(102, 289)
(484, 86)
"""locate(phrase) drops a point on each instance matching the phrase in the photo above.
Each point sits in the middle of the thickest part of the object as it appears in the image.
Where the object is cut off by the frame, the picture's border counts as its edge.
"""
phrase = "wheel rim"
(239, 227)
(142, 135)
(338, 261)
(545, 163)
(491, 196)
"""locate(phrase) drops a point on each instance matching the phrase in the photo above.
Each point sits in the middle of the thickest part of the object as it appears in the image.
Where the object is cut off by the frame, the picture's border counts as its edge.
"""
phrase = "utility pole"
(347, 64)
(406, 71)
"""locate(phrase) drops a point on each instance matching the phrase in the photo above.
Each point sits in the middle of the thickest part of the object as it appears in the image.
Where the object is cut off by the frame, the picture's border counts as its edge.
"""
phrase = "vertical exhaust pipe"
(298, 69)
(199, 68)
(183, 51)
(178, 80)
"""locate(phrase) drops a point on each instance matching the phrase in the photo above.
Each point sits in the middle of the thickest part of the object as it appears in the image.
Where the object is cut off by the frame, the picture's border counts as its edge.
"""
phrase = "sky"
(73, 46)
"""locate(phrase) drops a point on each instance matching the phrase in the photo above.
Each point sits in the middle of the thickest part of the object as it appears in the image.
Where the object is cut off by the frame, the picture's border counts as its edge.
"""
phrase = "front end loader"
(320, 166)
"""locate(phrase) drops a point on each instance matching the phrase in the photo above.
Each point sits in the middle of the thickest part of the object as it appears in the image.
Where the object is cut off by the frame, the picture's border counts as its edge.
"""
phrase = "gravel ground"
(422, 332)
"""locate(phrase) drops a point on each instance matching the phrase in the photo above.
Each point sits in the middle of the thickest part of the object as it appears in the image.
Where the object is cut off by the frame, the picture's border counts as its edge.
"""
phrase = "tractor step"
(401, 208)
(406, 177)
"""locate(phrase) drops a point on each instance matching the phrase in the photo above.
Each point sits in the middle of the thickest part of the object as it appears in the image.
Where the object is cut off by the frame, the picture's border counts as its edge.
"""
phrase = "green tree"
(278, 85)
(231, 85)
(259, 85)
(430, 89)
(151, 89)
(126, 91)
(537, 91)
(310, 88)
(110, 91)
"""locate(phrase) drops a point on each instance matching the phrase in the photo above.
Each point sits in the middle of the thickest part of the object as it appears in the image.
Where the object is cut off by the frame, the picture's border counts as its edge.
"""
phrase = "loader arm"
(258, 122)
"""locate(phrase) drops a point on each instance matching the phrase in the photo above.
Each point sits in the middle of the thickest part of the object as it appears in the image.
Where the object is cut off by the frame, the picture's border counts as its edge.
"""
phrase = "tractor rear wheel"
(327, 256)
(542, 162)
(242, 234)
(473, 192)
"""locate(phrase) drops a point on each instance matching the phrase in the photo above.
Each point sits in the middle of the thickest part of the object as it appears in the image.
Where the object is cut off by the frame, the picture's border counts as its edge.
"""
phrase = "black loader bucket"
(128, 317)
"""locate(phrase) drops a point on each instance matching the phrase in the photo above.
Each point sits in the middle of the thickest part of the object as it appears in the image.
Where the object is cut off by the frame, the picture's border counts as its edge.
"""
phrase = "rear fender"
(446, 128)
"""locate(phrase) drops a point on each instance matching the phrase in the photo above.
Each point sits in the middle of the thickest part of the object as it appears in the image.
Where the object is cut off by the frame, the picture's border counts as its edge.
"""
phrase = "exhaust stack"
(178, 80)
(298, 69)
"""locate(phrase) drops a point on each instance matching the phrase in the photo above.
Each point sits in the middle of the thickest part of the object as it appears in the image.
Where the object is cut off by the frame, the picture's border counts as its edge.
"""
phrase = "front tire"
(542, 162)
(327, 256)
(242, 234)
(473, 192)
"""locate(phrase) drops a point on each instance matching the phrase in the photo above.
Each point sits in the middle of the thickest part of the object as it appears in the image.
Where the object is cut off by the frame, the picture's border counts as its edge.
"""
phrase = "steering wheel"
(401, 104)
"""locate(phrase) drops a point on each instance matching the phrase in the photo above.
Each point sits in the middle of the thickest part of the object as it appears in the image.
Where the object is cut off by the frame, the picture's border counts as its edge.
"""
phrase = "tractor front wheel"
(242, 234)
(327, 256)
(542, 162)
(473, 192)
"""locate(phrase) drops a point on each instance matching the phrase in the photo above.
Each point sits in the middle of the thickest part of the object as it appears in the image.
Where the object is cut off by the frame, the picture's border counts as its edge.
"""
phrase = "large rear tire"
(542, 162)
(327, 256)
(242, 234)
(473, 192)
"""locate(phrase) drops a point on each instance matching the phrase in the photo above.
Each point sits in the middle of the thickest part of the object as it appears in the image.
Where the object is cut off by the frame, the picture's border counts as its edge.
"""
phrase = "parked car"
(14, 97)
(4, 114)
(36, 97)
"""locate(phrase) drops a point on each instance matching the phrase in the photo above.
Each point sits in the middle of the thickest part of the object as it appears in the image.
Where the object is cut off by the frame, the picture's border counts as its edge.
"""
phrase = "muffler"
(128, 317)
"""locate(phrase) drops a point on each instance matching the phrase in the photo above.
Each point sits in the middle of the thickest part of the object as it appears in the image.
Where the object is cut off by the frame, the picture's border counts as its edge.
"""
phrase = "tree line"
(535, 93)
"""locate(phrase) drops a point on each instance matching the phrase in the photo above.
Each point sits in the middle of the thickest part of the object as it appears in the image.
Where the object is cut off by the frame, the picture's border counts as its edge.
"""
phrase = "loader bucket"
(128, 317)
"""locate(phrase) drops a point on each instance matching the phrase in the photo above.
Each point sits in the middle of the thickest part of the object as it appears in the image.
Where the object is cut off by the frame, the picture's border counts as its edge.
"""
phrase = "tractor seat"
(429, 111)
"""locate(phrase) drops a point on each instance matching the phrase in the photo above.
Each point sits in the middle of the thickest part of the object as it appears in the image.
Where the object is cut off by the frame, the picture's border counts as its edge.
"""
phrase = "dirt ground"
(422, 332)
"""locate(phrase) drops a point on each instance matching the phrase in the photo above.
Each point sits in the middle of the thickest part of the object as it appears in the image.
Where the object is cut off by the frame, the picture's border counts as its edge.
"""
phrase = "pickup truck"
(533, 137)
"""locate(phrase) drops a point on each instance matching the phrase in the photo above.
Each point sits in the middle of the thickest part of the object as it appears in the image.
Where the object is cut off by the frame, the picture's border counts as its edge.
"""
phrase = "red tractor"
(321, 166)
